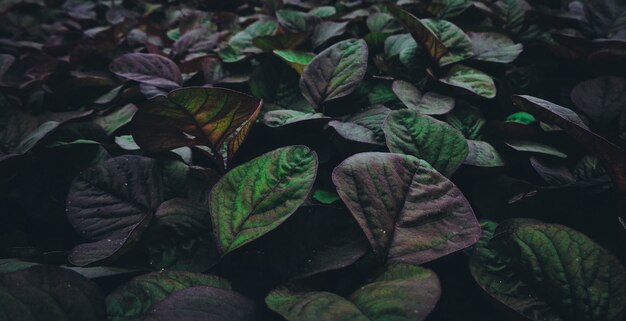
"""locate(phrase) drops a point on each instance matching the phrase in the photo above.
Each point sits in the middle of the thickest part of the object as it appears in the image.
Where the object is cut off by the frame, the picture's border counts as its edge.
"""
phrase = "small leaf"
(279, 118)
(482, 154)
(403, 292)
(334, 72)
(458, 43)
(256, 197)
(428, 104)
(470, 79)
(45, 292)
(364, 127)
(149, 69)
(436, 142)
(298, 60)
(494, 47)
(408, 211)
(512, 13)
(325, 197)
(327, 30)
(550, 272)
(424, 36)
(134, 298)
(296, 20)
(521, 117)
(535, 147)
(116, 119)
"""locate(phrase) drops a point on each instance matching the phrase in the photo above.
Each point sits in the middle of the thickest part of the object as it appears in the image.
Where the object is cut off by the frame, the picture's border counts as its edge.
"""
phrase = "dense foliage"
(297, 160)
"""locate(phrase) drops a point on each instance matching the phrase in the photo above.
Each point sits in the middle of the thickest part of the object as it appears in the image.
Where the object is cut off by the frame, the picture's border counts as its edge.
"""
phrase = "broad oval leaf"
(408, 211)
(430, 103)
(494, 47)
(49, 293)
(202, 303)
(298, 60)
(603, 99)
(458, 43)
(256, 197)
(134, 298)
(470, 79)
(193, 116)
(436, 142)
(550, 272)
(403, 292)
(334, 72)
(364, 127)
(150, 69)
(424, 36)
(482, 154)
(327, 30)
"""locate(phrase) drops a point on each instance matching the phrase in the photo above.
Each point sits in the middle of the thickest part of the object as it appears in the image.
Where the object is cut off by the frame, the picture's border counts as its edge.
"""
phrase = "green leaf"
(383, 23)
(45, 292)
(193, 116)
(443, 147)
(395, 44)
(325, 196)
(323, 11)
(494, 47)
(298, 60)
(408, 211)
(482, 154)
(468, 119)
(550, 272)
(403, 292)
(334, 72)
(512, 13)
(279, 118)
(134, 298)
(521, 118)
(13, 265)
(422, 34)
(470, 79)
(285, 41)
(296, 20)
(430, 103)
(256, 197)
(327, 30)
(458, 43)
(116, 119)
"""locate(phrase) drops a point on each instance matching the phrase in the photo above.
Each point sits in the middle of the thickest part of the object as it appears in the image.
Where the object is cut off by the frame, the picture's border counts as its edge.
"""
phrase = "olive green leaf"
(403, 292)
(334, 72)
(458, 43)
(408, 211)
(256, 197)
(550, 272)
(442, 146)
(298, 60)
(470, 79)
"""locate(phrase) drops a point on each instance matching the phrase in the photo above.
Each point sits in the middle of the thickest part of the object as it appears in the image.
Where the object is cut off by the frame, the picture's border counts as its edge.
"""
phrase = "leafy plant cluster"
(313, 160)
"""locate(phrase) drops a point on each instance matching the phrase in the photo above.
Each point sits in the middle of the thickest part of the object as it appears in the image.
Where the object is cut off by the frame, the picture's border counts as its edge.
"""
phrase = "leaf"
(494, 47)
(323, 11)
(428, 104)
(334, 72)
(325, 196)
(552, 172)
(364, 127)
(134, 298)
(512, 13)
(286, 41)
(327, 30)
(521, 117)
(395, 44)
(535, 147)
(202, 303)
(296, 20)
(256, 197)
(298, 60)
(550, 272)
(116, 119)
(45, 292)
(279, 118)
(458, 43)
(148, 69)
(408, 211)
(383, 23)
(403, 292)
(14, 265)
(470, 79)
(193, 116)
(482, 154)
(603, 99)
(424, 36)
(112, 203)
(436, 142)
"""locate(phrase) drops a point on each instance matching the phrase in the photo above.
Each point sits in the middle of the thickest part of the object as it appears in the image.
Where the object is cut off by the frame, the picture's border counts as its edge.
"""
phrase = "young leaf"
(116, 119)
(365, 127)
(45, 292)
(193, 116)
(334, 72)
(403, 292)
(408, 211)
(470, 79)
(149, 69)
(458, 43)
(256, 197)
(283, 117)
(436, 142)
(298, 60)
(550, 272)
(424, 36)
(428, 104)
(134, 298)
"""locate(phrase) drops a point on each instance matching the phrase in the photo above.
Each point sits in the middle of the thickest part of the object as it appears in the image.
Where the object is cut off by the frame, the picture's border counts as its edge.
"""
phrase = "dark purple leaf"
(149, 69)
